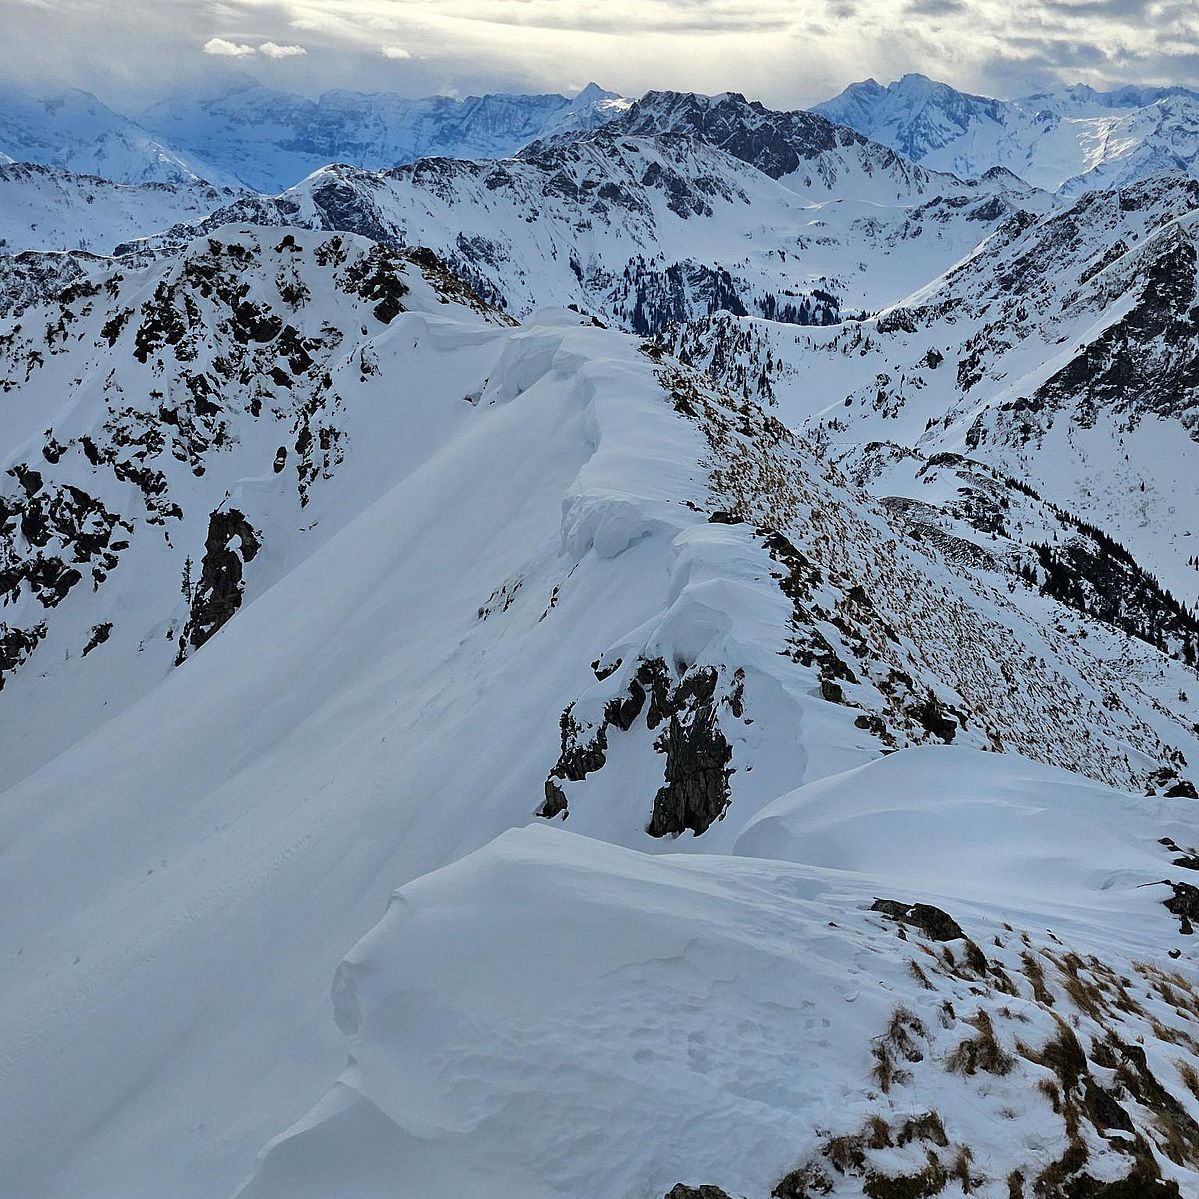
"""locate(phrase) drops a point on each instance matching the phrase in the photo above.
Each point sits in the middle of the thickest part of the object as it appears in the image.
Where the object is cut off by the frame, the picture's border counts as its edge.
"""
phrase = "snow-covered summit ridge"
(321, 575)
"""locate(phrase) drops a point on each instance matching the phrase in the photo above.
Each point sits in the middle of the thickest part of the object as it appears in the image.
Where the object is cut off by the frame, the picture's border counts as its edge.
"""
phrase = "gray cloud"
(934, 8)
(770, 49)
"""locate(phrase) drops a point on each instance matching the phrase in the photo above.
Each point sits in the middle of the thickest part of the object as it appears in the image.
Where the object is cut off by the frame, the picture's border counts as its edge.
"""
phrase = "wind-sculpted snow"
(783, 1021)
(414, 562)
(763, 816)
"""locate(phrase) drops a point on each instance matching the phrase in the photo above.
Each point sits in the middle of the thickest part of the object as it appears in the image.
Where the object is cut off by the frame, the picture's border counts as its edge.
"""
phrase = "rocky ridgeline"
(221, 361)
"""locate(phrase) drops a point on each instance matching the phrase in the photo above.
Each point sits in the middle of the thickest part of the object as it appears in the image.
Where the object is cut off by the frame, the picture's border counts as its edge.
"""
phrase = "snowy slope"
(250, 137)
(1061, 354)
(74, 131)
(49, 209)
(915, 115)
(446, 573)
(1069, 141)
(733, 1021)
(271, 140)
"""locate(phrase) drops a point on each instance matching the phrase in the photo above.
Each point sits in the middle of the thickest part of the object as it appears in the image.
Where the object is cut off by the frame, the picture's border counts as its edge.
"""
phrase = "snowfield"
(718, 1019)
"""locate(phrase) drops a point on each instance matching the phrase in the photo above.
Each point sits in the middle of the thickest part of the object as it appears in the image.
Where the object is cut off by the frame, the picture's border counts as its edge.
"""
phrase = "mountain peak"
(593, 94)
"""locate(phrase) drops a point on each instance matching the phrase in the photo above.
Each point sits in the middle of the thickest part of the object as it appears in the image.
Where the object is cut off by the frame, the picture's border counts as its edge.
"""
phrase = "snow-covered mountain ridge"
(986, 1055)
(265, 140)
(1060, 354)
(250, 137)
(738, 734)
(72, 130)
(682, 207)
(646, 609)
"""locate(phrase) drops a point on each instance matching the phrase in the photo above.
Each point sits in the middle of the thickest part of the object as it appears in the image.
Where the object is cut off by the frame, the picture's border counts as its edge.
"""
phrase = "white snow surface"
(48, 209)
(468, 546)
(968, 364)
(650, 1020)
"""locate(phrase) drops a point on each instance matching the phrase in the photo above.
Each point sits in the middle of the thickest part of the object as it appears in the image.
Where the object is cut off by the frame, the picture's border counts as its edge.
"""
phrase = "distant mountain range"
(263, 140)
(73, 130)
(259, 139)
(1071, 140)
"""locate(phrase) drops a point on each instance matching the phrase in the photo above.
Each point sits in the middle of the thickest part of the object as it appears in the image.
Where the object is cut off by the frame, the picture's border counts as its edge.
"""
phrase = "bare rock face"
(218, 594)
(933, 922)
(1184, 904)
(15, 646)
(696, 791)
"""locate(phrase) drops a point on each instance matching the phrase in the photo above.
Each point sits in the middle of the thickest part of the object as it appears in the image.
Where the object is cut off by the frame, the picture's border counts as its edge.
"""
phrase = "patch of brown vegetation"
(980, 1052)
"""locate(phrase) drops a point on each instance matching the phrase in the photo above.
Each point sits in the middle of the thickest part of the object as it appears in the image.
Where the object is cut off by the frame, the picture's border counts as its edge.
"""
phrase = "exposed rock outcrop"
(218, 594)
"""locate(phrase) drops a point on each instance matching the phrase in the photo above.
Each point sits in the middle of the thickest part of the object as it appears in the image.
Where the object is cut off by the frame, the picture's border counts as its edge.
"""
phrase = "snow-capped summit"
(592, 107)
(45, 208)
(806, 151)
(1070, 140)
(645, 228)
(915, 115)
(1080, 99)
(1161, 138)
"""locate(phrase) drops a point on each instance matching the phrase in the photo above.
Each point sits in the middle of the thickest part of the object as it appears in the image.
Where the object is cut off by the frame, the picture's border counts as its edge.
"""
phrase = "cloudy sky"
(785, 52)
